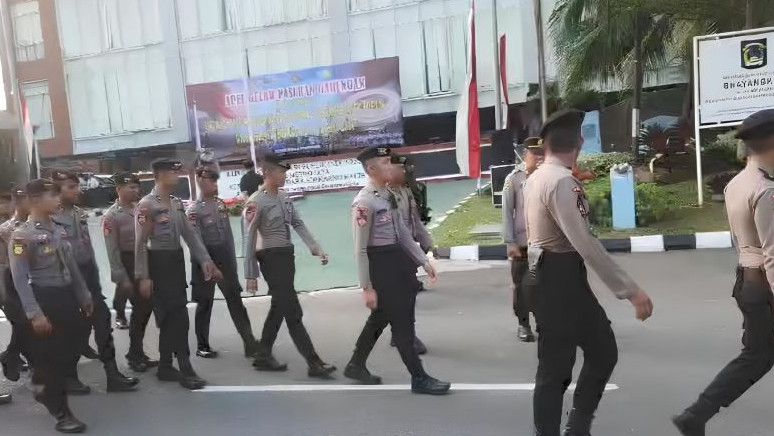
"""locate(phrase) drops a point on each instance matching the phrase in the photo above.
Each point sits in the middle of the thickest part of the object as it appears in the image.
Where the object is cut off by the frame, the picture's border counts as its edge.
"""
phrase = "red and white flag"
(468, 130)
(33, 158)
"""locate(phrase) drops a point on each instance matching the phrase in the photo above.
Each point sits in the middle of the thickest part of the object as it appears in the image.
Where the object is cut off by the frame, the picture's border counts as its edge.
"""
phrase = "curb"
(634, 244)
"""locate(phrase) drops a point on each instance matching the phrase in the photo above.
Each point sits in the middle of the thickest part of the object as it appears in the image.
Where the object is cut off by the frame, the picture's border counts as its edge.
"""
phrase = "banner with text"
(317, 111)
(735, 77)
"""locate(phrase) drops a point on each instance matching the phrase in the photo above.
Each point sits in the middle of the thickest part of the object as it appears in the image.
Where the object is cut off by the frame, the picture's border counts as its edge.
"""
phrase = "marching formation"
(51, 291)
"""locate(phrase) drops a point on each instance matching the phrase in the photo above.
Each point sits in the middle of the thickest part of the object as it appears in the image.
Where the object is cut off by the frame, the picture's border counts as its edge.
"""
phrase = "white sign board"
(307, 176)
(325, 175)
(736, 77)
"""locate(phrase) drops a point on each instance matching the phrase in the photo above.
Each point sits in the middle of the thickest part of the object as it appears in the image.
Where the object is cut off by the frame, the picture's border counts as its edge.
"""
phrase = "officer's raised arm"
(568, 206)
(18, 258)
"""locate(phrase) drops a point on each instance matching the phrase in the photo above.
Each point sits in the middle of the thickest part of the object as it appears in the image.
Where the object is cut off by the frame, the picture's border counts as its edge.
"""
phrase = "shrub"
(724, 149)
(600, 164)
(599, 198)
(236, 210)
(654, 203)
(717, 183)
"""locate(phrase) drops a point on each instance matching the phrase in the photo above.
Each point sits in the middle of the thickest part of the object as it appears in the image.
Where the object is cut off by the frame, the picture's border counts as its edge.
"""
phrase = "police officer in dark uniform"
(209, 216)
(387, 256)
(515, 234)
(750, 210)
(269, 215)
(160, 269)
(118, 229)
(74, 221)
(568, 314)
(55, 300)
(11, 358)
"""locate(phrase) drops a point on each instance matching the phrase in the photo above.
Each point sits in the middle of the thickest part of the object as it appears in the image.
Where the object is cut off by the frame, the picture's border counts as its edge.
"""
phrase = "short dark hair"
(759, 145)
(563, 139)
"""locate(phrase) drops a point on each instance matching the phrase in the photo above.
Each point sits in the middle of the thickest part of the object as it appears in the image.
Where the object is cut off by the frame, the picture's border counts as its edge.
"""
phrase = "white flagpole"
(246, 93)
(37, 158)
(196, 128)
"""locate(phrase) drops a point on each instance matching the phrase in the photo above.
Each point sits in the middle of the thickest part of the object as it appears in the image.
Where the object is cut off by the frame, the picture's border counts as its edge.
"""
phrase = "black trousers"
(101, 317)
(523, 284)
(375, 325)
(279, 269)
(568, 317)
(141, 312)
(203, 294)
(53, 356)
(119, 301)
(15, 313)
(753, 296)
(167, 271)
(394, 278)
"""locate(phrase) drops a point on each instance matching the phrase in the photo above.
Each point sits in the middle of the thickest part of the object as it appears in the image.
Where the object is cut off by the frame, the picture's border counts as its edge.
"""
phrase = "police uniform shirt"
(6, 229)
(41, 255)
(210, 218)
(75, 221)
(409, 213)
(514, 225)
(375, 223)
(557, 221)
(118, 229)
(268, 221)
(750, 209)
(159, 227)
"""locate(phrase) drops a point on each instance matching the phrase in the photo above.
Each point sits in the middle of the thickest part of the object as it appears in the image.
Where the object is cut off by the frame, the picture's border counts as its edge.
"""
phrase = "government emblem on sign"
(754, 54)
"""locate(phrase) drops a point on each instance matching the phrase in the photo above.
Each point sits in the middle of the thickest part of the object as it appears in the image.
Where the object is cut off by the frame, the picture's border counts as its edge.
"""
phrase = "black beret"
(166, 165)
(757, 126)
(274, 160)
(566, 119)
(40, 186)
(64, 175)
(125, 178)
(374, 152)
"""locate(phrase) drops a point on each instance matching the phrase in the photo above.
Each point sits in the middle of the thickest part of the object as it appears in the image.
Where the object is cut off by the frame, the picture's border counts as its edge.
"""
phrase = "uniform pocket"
(162, 228)
(210, 231)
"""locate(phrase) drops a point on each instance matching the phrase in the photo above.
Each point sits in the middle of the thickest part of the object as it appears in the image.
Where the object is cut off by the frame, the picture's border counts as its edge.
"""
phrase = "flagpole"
(496, 58)
(37, 158)
(541, 59)
(246, 93)
(198, 139)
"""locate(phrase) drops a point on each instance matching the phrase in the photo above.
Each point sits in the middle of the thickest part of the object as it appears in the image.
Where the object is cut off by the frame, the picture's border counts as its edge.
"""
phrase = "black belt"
(754, 275)
(277, 250)
(383, 248)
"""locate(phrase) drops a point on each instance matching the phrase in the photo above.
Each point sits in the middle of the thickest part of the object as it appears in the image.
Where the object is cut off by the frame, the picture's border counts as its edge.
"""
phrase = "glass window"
(39, 104)
(27, 32)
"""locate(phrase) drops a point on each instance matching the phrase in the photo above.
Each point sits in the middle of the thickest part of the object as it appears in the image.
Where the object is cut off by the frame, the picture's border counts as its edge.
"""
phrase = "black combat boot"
(265, 361)
(429, 385)
(689, 424)
(67, 423)
(525, 334)
(205, 352)
(117, 382)
(578, 424)
(359, 372)
(321, 370)
(188, 377)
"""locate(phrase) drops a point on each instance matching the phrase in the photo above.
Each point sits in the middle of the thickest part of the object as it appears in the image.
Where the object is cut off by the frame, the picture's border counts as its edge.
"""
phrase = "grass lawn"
(689, 218)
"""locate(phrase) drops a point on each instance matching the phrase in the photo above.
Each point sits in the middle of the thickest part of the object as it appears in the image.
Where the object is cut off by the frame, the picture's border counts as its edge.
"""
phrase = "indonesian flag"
(504, 83)
(468, 132)
(29, 141)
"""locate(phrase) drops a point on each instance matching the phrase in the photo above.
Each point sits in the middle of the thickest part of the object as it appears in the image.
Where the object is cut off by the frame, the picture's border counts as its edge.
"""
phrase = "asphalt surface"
(467, 323)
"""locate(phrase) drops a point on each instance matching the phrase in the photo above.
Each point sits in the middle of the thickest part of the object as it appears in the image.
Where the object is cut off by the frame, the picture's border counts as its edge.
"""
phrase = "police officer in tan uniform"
(74, 221)
(55, 299)
(750, 209)
(515, 234)
(568, 314)
(209, 216)
(159, 267)
(11, 358)
(118, 230)
(387, 256)
(269, 215)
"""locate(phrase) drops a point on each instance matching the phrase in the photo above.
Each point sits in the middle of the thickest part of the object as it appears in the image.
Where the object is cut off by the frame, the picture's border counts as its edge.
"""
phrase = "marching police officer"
(567, 312)
(74, 221)
(515, 234)
(118, 230)
(160, 269)
(269, 214)
(750, 209)
(387, 256)
(209, 216)
(11, 358)
(54, 298)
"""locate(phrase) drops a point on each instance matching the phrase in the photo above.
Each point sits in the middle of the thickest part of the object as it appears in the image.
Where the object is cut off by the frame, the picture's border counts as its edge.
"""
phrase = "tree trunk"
(639, 72)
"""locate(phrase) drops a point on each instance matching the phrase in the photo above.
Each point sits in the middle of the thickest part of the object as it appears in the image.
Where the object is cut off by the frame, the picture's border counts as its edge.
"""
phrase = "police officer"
(269, 215)
(160, 269)
(750, 209)
(387, 256)
(568, 314)
(118, 230)
(250, 181)
(209, 216)
(55, 300)
(515, 234)
(74, 221)
(11, 358)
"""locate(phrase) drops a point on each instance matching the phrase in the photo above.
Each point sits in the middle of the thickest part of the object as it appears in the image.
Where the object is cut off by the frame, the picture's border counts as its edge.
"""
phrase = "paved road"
(467, 324)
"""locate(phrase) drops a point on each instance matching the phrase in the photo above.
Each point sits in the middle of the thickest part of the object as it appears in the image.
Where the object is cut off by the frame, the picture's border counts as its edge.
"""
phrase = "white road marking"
(355, 387)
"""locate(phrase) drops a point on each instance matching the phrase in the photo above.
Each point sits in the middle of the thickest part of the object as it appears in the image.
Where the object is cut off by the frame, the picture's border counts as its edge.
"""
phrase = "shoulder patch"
(361, 215)
(107, 225)
(142, 215)
(18, 247)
